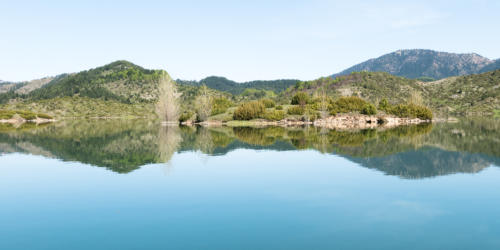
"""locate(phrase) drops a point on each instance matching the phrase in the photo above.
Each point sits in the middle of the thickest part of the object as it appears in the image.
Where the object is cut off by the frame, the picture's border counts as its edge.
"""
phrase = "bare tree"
(168, 99)
(203, 104)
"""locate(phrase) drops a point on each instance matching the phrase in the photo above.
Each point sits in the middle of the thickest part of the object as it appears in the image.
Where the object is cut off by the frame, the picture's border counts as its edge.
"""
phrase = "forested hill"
(121, 81)
(235, 88)
(418, 63)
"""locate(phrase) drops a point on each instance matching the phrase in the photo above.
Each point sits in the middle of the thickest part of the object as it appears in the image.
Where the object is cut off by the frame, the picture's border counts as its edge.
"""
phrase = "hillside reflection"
(122, 146)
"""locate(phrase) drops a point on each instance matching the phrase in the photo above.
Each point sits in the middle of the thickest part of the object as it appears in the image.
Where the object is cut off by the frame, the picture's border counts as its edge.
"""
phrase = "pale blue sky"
(242, 40)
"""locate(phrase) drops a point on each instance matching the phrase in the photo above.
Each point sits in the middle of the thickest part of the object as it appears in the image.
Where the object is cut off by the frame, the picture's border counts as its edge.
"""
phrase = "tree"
(168, 99)
(203, 104)
(301, 98)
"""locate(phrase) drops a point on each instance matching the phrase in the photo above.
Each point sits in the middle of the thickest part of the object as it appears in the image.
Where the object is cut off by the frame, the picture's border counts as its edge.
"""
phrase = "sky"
(241, 40)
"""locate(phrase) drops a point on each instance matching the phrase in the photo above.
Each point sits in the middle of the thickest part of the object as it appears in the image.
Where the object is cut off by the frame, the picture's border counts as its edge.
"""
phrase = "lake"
(127, 184)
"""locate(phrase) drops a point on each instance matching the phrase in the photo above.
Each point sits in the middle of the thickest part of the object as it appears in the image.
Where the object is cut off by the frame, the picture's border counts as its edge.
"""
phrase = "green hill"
(118, 89)
(372, 86)
(236, 88)
(470, 95)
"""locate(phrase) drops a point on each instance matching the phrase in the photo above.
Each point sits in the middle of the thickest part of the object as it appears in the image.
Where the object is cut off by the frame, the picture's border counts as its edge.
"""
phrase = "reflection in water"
(125, 145)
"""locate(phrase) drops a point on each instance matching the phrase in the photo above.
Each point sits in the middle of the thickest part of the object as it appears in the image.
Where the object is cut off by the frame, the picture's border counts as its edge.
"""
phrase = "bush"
(279, 107)
(275, 115)
(411, 111)
(295, 110)
(350, 104)
(186, 116)
(220, 105)
(28, 115)
(300, 98)
(369, 109)
(383, 104)
(6, 114)
(249, 111)
(44, 116)
(268, 103)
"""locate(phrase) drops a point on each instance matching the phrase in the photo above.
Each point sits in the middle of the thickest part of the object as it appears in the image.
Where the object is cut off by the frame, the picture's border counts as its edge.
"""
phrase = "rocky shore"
(20, 120)
(345, 121)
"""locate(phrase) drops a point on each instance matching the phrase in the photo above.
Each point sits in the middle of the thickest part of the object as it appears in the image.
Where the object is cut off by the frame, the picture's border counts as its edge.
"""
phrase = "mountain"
(418, 63)
(236, 88)
(492, 66)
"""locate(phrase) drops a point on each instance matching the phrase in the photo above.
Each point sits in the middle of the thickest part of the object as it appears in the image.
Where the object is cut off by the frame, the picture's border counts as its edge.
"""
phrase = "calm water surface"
(134, 185)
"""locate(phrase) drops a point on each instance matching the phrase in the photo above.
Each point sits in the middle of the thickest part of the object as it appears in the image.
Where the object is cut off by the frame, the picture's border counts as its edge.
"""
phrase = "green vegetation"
(274, 115)
(300, 98)
(369, 109)
(370, 86)
(268, 103)
(220, 105)
(27, 115)
(472, 95)
(295, 110)
(349, 104)
(122, 89)
(186, 116)
(410, 111)
(84, 107)
(250, 110)
(235, 88)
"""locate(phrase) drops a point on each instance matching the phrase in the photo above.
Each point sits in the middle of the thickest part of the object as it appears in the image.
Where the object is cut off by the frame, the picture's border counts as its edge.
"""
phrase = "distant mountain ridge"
(235, 88)
(416, 63)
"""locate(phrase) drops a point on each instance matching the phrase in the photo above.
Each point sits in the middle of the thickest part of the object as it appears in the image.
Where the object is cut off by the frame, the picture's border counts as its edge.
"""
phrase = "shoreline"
(16, 121)
(332, 122)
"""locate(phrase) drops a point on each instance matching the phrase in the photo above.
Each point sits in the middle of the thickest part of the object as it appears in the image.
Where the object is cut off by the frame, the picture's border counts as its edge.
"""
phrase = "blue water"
(243, 199)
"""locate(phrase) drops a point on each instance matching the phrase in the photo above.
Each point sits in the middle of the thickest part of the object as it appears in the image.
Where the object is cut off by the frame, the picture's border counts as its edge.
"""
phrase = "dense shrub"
(411, 111)
(6, 114)
(249, 111)
(268, 103)
(295, 110)
(186, 116)
(383, 104)
(44, 116)
(28, 115)
(275, 115)
(279, 107)
(349, 104)
(369, 109)
(300, 98)
(220, 105)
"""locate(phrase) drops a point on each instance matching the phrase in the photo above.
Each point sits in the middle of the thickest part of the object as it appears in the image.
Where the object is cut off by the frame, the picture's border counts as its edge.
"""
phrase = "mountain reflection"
(122, 146)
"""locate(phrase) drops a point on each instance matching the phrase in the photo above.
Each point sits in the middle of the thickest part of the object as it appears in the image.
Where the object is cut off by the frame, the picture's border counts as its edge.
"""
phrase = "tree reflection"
(125, 145)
